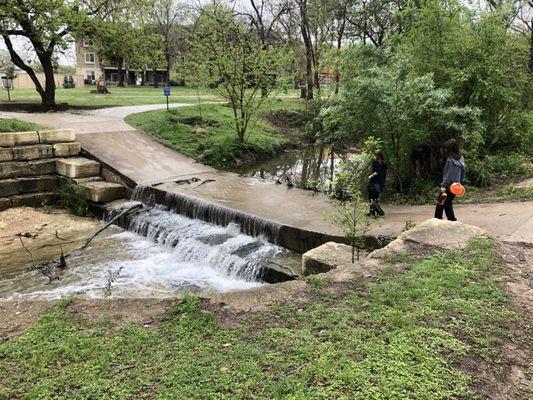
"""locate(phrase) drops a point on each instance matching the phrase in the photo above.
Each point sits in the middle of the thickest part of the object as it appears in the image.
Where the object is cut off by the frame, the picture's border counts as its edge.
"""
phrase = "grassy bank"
(212, 139)
(407, 335)
(15, 125)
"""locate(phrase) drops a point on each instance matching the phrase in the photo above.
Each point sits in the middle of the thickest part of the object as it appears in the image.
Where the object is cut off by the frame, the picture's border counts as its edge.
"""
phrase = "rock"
(5, 203)
(32, 152)
(273, 273)
(66, 149)
(6, 154)
(42, 167)
(433, 234)
(201, 131)
(8, 187)
(326, 257)
(103, 192)
(37, 184)
(14, 169)
(32, 199)
(57, 136)
(524, 184)
(10, 139)
(77, 167)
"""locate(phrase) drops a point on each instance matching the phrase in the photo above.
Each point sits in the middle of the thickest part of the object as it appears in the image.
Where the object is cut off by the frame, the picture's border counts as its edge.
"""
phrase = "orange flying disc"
(457, 189)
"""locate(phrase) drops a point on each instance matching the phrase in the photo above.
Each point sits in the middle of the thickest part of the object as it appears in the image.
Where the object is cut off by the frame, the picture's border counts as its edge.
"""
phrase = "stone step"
(103, 192)
(29, 184)
(32, 199)
(10, 139)
(77, 167)
(32, 152)
(63, 180)
(66, 149)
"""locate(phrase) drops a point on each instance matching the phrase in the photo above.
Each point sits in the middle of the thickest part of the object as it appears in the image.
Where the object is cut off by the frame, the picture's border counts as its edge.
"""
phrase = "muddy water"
(179, 254)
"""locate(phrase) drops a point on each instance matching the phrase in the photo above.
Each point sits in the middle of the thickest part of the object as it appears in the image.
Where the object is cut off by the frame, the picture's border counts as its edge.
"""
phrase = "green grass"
(15, 125)
(82, 97)
(218, 145)
(401, 337)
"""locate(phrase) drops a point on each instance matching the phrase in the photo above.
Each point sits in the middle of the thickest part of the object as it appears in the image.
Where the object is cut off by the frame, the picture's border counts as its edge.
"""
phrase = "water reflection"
(308, 168)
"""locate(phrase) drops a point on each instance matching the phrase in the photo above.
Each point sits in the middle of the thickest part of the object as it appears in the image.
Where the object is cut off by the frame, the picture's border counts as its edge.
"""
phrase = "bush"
(478, 173)
(73, 198)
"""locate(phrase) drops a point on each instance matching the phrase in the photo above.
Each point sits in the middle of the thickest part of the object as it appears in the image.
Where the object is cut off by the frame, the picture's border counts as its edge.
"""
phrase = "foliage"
(403, 336)
(225, 56)
(73, 198)
(15, 125)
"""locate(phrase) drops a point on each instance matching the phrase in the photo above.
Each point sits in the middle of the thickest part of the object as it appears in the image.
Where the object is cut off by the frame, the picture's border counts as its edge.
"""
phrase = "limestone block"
(433, 234)
(13, 169)
(6, 154)
(33, 152)
(10, 139)
(326, 257)
(42, 167)
(66, 149)
(63, 180)
(8, 187)
(37, 184)
(32, 199)
(5, 203)
(103, 192)
(77, 167)
(57, 136)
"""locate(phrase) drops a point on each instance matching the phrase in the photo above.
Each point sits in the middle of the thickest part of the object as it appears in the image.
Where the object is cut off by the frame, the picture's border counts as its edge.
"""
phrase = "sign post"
(166, 92)
(7, 82)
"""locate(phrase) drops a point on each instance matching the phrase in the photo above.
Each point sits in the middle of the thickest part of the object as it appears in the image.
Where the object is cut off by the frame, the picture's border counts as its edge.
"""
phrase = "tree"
(45, 24)
(166, 17)
(235, 65)
(7, 68)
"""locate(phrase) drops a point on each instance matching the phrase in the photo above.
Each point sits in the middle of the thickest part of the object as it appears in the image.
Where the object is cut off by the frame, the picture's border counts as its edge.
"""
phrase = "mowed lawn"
(129, 96)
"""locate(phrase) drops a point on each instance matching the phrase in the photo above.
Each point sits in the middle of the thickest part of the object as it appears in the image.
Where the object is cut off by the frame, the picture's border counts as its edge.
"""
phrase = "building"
(91, 67)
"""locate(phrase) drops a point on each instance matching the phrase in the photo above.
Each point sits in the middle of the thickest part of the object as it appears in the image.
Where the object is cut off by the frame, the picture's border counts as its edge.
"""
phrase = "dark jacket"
(380, 168)
(454, 171)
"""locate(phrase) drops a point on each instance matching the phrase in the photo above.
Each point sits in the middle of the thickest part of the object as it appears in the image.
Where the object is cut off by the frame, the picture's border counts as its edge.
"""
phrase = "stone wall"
(28, 165)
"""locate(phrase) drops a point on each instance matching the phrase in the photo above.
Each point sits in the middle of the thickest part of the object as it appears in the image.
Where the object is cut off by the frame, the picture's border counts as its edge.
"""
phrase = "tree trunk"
(48, 96)
(304, 27)
(530, 63)
(120, 72)
(155, 80)
(168, 75)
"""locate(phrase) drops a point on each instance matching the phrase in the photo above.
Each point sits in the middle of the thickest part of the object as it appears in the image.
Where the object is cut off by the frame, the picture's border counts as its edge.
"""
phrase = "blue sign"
(166, 90)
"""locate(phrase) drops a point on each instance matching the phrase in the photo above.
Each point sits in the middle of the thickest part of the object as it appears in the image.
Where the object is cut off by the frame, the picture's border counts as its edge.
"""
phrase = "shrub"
(478, 173)
(73, 198)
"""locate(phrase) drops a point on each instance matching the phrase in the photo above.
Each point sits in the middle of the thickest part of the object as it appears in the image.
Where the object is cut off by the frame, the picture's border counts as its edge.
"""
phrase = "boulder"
(37, 184)
(103, 192)
(77, 167)
(433, 234)
(14, 169)
(66, 149)
(8, 187)
(6, 154)
(274, 273)
(32, 152)
(57, 136)
(42, 167)
(326, 257)
(10, 139)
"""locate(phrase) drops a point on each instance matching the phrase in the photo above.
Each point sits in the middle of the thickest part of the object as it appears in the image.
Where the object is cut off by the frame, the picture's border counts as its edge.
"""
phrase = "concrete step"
(77, 167)
(103, 192)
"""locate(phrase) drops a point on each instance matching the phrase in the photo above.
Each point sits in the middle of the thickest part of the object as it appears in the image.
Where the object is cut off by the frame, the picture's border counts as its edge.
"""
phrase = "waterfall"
(193, 207)
(238, 255)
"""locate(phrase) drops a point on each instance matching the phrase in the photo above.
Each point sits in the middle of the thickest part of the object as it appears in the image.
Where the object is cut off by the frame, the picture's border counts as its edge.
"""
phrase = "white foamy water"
(178, 254)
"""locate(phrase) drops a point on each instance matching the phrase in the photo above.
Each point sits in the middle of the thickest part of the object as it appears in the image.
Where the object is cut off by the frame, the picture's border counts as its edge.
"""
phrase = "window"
(89, 58)
(114, 77)
(90, 75)
(88, 42)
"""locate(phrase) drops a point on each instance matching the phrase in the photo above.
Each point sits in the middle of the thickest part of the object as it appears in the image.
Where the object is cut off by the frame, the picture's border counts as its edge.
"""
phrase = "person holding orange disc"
(452, 180)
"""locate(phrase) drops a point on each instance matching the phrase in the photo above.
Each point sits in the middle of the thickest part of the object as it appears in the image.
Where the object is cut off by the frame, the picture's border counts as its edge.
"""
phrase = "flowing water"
(158, 255)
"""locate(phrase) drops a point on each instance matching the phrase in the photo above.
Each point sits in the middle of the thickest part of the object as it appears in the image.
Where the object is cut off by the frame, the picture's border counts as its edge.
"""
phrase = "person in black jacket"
(454, 171)
(377, 183)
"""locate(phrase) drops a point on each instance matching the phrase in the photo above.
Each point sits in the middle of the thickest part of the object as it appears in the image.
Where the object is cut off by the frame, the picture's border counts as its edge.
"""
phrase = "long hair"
(380, 156)
(452, 149)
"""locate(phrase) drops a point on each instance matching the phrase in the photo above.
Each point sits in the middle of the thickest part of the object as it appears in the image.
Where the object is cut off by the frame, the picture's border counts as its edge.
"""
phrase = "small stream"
(307, 168)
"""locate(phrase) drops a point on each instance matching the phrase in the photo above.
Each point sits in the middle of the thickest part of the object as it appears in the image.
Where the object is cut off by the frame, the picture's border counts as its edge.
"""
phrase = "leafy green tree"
(46, 24)
(225, 52)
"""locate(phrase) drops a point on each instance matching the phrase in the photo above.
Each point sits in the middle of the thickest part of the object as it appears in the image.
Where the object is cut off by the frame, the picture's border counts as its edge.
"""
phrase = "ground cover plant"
(207, 133)
(15, 125)
(405, 335)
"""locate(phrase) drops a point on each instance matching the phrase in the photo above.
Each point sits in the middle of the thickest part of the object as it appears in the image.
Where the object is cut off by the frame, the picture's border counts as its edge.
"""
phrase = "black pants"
(447, 207)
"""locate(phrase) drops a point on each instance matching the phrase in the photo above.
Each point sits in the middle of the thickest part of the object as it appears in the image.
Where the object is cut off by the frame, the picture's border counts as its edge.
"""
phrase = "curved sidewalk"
(105, 135)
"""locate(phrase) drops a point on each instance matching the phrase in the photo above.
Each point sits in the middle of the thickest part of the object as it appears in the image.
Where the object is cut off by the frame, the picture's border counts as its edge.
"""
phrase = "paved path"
(105, 135)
